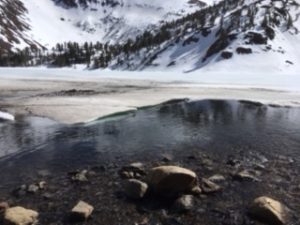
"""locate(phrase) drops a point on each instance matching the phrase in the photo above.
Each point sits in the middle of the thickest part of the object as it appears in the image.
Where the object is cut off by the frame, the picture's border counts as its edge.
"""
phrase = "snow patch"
(6, 116)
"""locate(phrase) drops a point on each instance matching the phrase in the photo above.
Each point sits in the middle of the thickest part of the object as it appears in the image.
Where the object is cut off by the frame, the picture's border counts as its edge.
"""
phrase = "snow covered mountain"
(183, 35)
(239, 35)
(49, 22)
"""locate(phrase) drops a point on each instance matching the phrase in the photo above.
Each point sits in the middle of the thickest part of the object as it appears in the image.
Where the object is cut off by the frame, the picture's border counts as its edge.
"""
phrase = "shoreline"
(83, 98)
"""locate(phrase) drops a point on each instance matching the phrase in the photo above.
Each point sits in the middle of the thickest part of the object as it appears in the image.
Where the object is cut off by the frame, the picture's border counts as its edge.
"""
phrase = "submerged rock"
(135, 189)
(269, 211)
(171, 180)
(20, 216)
(81, 212)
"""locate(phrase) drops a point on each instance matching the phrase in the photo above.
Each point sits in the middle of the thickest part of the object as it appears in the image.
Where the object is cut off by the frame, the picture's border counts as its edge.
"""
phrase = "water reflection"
(219, 127)
(25, 134)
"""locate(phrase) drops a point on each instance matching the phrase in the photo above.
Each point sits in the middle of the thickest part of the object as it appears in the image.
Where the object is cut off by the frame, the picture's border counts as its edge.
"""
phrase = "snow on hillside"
(53, 23)
(13, 26)
(275, 25)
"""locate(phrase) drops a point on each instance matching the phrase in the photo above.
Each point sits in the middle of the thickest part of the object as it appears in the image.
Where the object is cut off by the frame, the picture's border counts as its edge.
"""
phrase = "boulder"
(183, 203)
(81, 212)
(135, 189)
(269, 211)
(20, 216)
(171, 180)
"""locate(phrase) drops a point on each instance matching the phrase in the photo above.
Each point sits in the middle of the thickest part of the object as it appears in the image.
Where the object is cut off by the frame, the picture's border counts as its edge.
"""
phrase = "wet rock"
(245, 175)
(81, 212)
(135, 189)
(134, 170)
(217, 178)
(269, 211)
(183, 203)
(20, 216)
(42, 185)
(196, 190)
(80, 176)
(171, 180)
(126, 175)
(208, 186)
(33, 188)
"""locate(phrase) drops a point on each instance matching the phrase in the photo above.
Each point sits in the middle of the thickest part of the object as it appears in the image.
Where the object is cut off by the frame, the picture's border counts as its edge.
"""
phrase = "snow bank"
(6, 116)
(34, 90)
(220, 78)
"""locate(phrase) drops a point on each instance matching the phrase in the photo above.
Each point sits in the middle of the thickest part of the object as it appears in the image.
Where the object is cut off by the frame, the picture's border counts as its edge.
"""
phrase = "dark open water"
(221, 130)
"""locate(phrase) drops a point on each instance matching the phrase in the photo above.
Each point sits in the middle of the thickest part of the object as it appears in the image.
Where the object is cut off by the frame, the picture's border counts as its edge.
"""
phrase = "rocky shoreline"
(180, 163)
(157, 193)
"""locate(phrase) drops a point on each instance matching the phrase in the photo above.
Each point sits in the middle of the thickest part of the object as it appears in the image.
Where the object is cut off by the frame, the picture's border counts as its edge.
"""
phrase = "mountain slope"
(57, 21)
(13, 26)
(184, 35)
(232, 33)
